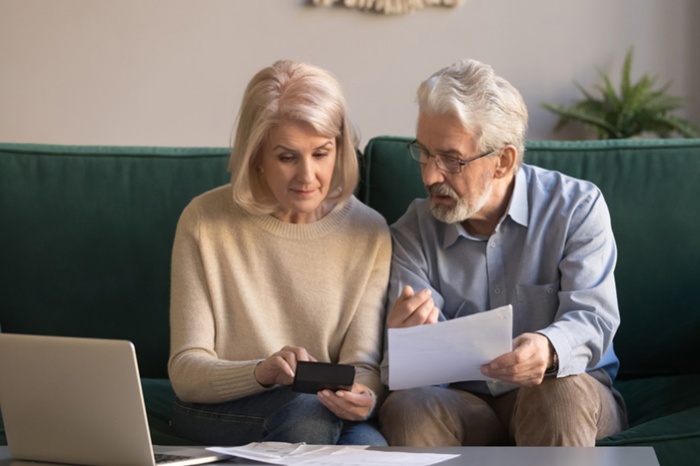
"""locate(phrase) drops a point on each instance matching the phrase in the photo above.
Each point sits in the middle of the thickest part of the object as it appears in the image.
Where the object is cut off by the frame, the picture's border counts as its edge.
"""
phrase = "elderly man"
(494, 231)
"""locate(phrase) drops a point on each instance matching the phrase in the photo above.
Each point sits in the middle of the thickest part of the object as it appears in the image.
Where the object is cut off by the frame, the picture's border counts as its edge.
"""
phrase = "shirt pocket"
(536, 306)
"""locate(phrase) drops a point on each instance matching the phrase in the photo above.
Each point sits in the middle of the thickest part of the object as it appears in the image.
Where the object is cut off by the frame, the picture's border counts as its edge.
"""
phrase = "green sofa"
(87, 231)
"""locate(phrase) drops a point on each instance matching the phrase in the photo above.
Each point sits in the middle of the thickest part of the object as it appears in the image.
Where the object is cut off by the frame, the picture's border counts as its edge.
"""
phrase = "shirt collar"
(518, 211)
(519, 207)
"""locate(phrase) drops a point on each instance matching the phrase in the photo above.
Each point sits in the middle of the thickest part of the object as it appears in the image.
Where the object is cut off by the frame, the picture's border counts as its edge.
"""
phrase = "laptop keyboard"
(164, 458)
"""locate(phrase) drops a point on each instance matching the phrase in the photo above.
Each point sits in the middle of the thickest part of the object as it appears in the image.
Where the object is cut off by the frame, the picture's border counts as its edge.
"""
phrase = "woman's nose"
(305, 170)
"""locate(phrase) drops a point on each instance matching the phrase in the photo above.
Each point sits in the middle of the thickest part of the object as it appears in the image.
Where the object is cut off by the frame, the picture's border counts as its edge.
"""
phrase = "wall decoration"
(390, 7)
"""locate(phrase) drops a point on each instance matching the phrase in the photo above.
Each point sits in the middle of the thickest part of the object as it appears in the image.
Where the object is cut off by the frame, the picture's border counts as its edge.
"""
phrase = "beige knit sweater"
(244, 286)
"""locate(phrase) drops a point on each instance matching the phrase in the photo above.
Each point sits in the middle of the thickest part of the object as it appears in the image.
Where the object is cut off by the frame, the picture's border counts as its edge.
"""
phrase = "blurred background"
(172, 72)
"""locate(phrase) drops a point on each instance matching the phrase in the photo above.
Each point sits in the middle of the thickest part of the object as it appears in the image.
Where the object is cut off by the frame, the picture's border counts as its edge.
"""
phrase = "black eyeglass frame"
(416, 150)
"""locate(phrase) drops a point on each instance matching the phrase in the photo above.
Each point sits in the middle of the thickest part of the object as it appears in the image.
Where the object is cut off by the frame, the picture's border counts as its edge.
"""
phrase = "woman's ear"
(256, 164)
(506, 161)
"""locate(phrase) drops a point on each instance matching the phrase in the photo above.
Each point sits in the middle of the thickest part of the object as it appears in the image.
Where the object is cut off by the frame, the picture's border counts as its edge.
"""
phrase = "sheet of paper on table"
(448, 351)
(319, 455)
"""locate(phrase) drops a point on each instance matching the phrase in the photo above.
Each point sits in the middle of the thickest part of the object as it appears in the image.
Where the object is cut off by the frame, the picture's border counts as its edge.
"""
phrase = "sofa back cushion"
(86, 239)
(652, 189)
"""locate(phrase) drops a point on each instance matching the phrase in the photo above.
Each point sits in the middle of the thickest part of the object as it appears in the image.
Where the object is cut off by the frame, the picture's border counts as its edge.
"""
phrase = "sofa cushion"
(159, 396)
(87, 250)
(651, 398)
(664, 412)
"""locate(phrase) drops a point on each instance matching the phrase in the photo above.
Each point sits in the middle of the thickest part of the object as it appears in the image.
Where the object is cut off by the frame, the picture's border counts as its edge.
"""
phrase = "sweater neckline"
(316, 229)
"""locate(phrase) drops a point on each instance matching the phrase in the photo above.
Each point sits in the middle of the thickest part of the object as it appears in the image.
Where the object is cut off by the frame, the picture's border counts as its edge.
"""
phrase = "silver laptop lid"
(73, 400)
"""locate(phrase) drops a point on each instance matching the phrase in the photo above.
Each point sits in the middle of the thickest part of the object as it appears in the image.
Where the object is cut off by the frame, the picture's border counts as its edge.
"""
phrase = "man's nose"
(431, 173)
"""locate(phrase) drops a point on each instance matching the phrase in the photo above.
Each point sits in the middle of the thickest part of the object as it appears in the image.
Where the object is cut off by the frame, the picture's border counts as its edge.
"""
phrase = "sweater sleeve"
(362, 345)
(196, 372)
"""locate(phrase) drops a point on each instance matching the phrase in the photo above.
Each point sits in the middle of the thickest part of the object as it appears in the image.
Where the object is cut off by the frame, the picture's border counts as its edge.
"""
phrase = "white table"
(496, 456)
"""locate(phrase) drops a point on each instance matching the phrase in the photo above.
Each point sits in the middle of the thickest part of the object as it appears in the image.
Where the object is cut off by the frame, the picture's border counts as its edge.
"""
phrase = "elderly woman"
(281, 265)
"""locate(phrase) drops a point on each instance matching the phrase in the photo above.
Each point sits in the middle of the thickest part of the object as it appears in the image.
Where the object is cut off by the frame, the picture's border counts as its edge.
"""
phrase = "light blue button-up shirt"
(552, 257)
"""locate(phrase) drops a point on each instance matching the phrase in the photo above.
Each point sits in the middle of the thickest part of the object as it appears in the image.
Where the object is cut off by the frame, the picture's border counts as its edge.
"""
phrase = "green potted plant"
(635, 110)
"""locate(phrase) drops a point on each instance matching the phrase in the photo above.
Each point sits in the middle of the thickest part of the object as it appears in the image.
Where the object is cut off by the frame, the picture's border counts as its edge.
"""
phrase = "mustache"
(441, 189)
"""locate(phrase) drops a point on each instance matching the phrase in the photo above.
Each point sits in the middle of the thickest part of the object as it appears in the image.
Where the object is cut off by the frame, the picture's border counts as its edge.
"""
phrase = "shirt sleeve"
(588, 315)
(411, 265)
(413, 260)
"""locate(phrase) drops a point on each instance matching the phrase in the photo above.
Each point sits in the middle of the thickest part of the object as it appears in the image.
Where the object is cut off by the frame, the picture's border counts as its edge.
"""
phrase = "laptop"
(79, 401)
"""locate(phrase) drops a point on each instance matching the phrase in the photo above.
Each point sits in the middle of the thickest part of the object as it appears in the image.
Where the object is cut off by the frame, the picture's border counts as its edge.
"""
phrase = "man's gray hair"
(486, 104)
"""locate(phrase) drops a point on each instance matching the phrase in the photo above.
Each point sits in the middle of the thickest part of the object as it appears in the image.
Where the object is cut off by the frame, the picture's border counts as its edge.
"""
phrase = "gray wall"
(693, 58)
(171, 72)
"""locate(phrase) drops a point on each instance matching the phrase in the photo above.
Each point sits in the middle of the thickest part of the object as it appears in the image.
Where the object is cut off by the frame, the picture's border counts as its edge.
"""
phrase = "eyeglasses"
(445, 163)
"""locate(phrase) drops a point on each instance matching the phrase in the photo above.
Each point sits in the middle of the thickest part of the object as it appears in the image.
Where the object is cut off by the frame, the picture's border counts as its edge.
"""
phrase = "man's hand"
(353, 405)
(525, 365)
(412, 309)
(281, 366)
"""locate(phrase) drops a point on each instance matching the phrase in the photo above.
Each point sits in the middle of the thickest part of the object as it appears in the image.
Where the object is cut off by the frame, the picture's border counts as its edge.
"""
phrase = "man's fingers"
(413, 309)
(525, 365)
(406, 293)
(425, 313)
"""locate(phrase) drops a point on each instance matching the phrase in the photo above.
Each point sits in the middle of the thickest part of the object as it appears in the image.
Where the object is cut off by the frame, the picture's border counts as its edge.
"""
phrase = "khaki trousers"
(568, 411)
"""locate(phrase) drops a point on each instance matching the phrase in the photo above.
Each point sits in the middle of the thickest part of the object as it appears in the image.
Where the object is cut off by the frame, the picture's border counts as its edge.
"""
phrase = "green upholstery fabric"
(87, 232)
(86, 239)
(663, 412)
(158, 396)
(651, 398)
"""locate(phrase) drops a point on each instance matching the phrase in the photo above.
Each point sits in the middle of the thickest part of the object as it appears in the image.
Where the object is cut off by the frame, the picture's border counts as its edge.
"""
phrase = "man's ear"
(506, 161)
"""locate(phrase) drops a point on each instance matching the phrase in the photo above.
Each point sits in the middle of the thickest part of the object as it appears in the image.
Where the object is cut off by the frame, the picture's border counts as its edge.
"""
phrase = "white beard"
(463, 208)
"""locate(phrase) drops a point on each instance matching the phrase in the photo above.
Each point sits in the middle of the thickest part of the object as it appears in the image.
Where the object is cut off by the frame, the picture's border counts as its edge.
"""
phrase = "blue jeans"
(279, 415)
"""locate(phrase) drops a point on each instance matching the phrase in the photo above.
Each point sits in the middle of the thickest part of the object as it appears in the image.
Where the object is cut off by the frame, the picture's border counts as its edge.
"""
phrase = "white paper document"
(319, 455)
(448, 351)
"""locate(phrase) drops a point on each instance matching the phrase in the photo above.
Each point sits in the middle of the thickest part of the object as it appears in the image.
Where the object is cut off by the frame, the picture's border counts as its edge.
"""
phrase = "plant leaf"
(567, 114)
(636, 109)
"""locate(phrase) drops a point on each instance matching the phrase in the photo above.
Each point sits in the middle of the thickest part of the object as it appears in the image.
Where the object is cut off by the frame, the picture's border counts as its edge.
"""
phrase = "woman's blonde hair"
(290, 91)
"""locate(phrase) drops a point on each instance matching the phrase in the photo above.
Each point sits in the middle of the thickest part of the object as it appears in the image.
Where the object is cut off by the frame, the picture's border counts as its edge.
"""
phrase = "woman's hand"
(279, 368)
(353, 405)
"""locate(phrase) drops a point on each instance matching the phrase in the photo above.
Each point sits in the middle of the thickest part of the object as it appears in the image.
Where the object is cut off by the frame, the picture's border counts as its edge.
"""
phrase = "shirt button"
(497, 290)
(493, 244)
